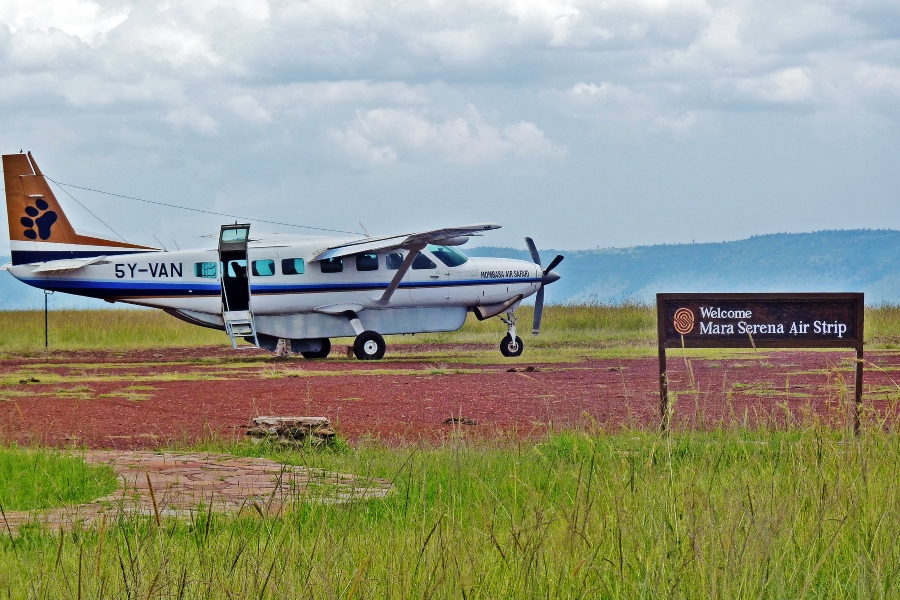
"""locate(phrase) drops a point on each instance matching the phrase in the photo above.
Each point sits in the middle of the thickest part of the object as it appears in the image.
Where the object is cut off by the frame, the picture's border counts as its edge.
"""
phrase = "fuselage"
(284, 279)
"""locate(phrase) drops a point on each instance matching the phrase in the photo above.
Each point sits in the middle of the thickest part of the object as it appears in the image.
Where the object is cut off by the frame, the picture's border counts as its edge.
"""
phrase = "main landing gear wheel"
(322, 352)
(510, 347)
(369, 345)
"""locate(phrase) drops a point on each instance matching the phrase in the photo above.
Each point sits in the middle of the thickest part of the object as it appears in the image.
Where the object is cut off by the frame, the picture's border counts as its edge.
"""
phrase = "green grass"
(579, 324)
(588, 325)
(568, 331)
(44, 478)
(23, 331)
(796, 513)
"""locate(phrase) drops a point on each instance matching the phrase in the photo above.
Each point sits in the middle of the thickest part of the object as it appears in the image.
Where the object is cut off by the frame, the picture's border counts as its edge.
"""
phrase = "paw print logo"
(38, 217)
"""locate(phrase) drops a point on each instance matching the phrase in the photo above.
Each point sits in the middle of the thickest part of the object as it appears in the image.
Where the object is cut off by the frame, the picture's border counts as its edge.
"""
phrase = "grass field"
(801, 513)
(629, 326)
(796, 511)
(42, 478)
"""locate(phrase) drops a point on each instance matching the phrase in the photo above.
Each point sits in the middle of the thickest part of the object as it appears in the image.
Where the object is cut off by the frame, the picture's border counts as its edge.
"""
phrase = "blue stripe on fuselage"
(338, 287)
(136, 289)
(119, 289)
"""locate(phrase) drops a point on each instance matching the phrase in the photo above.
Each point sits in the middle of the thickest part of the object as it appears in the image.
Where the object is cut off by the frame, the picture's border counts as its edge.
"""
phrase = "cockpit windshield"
(449, 256)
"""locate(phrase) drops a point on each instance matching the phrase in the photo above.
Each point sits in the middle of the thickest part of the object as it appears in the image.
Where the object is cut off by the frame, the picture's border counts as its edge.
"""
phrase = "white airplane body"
(306, 289)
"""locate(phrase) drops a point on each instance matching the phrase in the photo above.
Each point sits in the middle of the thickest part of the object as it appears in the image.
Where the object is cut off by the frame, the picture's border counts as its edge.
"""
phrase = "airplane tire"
(509, 348)
(321, 353)
(369, 345)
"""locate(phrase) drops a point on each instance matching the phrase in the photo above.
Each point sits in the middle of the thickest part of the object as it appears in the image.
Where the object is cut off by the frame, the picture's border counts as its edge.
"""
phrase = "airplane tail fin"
(39, 230)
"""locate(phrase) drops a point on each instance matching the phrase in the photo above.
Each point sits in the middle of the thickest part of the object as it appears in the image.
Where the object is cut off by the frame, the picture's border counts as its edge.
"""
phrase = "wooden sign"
(759, 321)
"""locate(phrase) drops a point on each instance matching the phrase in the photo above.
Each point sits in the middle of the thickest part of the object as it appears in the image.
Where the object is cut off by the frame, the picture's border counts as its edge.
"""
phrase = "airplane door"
(460, 274)
(235, 282)
(428, 280)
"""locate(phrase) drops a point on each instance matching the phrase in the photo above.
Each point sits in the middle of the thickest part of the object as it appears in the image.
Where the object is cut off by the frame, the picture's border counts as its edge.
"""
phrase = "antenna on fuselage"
(160, 243)
(366, 231)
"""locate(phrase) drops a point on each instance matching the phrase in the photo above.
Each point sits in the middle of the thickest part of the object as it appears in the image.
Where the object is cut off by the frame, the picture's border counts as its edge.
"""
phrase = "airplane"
(302, 289)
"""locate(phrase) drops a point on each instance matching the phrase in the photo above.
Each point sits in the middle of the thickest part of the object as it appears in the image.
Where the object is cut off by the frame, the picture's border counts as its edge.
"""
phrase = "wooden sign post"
(759, 321)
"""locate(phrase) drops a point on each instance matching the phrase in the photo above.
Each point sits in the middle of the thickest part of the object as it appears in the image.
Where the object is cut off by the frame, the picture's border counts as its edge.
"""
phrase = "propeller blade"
(533, 249)
(538, 311)
(559, 258)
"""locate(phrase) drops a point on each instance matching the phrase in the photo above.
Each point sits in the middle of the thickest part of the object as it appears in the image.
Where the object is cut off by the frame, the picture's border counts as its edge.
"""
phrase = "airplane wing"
(407, 241)
(69, 264)
(413, 242)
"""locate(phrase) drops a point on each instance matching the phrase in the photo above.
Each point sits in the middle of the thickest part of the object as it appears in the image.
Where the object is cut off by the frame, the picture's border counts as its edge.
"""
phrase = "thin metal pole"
(46, 323)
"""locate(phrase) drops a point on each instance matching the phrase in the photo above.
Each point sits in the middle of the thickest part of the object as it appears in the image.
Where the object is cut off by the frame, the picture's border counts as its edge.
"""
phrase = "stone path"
(170, 484)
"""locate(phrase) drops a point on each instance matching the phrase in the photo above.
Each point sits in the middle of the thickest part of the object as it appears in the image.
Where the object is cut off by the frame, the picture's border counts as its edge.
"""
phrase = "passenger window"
(205, 269)
(423, 262)
(332, 265)
(237, 269)
(264, 268)
(394, 260)
(292, 266)
(367, 262)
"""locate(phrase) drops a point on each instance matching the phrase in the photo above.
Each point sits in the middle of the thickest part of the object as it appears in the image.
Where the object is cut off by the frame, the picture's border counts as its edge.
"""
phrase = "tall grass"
(803, 513)
(123, 329)
(42, 478)
(23, 331)
(617, 325)
(883, 326)
(579, 324)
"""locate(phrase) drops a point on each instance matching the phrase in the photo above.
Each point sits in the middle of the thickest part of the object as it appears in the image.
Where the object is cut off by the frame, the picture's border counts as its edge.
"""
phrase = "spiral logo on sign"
(684, 321)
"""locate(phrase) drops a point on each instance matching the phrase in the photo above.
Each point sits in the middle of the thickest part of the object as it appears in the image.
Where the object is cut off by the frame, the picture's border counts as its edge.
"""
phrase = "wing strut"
(407, 262)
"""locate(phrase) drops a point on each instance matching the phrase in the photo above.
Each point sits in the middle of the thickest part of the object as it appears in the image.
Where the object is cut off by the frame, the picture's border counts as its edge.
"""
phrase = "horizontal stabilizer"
(70, 264)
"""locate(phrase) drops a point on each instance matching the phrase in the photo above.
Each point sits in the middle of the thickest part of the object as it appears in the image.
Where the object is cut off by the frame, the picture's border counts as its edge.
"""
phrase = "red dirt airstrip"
(154, 398)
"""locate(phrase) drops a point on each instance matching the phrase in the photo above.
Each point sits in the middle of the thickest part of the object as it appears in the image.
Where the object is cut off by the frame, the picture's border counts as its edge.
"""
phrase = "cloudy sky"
(582, 124)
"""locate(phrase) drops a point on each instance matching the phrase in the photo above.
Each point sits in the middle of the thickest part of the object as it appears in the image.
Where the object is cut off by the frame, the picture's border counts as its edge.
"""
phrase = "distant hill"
(824, 261)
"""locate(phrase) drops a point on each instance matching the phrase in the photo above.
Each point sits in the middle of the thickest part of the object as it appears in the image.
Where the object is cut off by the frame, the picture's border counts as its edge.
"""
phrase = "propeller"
(547, 278)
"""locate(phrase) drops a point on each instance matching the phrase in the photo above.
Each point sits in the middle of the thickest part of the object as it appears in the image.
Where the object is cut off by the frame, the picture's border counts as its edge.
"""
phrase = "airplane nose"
(550, 278)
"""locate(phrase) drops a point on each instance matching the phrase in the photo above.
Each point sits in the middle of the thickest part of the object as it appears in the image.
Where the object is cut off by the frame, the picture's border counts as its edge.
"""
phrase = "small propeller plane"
(298, 288)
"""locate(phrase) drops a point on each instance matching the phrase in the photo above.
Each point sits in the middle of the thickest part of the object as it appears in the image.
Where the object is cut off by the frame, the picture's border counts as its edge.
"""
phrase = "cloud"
(786, 86)
(386, 135)
(317, 87)
(248, 108)
(88, 21)
(192, 118)
(876, 79)
(358, 145)
(317, 95)
(618, 107)
(678, 56)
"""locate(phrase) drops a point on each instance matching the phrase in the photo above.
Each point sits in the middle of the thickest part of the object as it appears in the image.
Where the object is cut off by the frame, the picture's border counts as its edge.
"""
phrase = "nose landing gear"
(511, 345)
